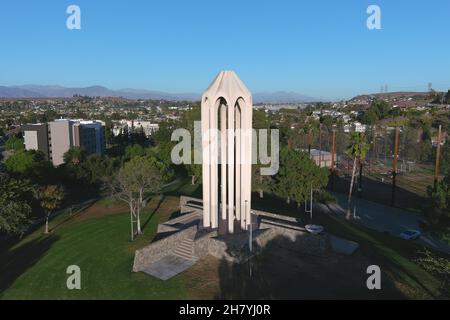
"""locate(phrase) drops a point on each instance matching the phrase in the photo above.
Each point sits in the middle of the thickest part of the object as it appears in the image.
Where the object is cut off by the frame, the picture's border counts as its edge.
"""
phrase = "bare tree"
(133, 180)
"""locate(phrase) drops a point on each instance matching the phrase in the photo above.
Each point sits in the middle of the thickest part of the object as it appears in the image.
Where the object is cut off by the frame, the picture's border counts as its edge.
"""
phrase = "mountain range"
(40, 91)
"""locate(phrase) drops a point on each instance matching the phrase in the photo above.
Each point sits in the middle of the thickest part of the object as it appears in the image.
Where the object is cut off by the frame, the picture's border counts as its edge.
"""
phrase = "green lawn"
(102, 249)
(35, 267)
(98, 241)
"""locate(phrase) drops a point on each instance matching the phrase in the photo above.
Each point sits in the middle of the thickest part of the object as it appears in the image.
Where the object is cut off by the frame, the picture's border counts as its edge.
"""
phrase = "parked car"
(410, 235)
(314, 229)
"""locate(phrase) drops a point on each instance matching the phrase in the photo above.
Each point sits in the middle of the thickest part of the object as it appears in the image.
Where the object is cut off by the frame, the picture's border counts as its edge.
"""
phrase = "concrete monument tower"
(227, 147)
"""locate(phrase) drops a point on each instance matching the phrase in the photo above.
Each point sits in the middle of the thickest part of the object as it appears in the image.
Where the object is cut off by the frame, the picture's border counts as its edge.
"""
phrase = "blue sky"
(318, 48)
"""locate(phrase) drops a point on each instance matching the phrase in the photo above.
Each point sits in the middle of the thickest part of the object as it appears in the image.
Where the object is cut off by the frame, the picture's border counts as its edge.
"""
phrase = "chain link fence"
(415, 169)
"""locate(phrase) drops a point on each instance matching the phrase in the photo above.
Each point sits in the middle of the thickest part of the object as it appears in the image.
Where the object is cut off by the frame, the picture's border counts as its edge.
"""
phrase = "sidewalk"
(383, 218)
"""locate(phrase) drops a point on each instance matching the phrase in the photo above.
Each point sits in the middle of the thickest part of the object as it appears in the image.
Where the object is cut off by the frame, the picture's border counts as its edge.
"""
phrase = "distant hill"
(32, 91)
(394, 95)
(38, 91)
(282, 97)
(12, 92)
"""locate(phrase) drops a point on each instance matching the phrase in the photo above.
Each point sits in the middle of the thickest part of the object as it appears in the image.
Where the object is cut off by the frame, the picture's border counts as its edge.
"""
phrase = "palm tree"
(356, 150)
(50, 198)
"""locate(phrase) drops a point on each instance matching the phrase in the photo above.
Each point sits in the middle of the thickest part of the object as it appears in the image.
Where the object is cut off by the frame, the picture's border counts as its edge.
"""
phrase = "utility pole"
(438, 154)
(310, 210)
(320, 145)
(332, 159)
(360, 172)
(360, 177)
(394, 167)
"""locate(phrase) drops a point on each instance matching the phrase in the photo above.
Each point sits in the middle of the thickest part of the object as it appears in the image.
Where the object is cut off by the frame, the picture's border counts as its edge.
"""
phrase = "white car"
(314, 229)
(410, 235)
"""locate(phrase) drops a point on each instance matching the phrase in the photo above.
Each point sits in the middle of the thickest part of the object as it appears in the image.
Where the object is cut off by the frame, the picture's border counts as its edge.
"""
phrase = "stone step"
(184, 255)
(185, 249)
(187, 243)
(281, 223)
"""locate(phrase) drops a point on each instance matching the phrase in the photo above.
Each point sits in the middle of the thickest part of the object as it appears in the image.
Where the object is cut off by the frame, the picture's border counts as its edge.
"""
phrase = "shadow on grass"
(158, 206)
(388, 251)
(18, 260)
(75, 211)
(185, 188)
(380, 192)
(282, 270)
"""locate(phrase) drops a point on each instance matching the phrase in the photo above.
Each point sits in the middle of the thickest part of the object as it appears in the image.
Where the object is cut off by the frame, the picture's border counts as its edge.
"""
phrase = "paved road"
(385, 219)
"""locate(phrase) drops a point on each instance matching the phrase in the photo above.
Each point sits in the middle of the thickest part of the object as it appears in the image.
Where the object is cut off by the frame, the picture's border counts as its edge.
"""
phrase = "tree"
(381, 108)
(14, 143)
(97, 167)
(136, 177)
(30, 164)
(15, 203)
(327, 121)
(74, 156)
(50, 198)
(297, 175)
(161, 161)
(134, 150)
(147, 179)
(439, 195)
(356, 150)
(370, 117)
(261, 183)
(195, 171)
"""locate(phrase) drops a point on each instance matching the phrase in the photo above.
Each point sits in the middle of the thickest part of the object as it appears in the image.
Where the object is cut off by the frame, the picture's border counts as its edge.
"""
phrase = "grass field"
(98, 241)
(35, 268)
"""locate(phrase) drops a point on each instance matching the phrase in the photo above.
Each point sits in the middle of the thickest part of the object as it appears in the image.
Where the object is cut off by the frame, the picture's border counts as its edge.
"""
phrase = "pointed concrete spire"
(227, 99)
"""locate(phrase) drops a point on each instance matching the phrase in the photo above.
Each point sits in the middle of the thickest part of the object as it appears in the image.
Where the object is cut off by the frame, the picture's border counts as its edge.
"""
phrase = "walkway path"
(169, 266)
(384, 219)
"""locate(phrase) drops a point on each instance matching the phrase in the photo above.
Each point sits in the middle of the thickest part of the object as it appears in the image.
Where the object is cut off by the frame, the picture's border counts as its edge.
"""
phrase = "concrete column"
(246, 156)
(248, 165)
(214, 156)
(205, 164)
(238, 163)
(231, 167)
(235, 153)
(223, 158)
